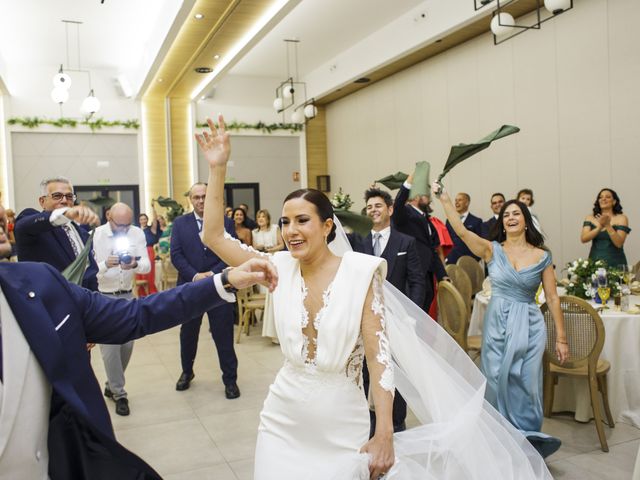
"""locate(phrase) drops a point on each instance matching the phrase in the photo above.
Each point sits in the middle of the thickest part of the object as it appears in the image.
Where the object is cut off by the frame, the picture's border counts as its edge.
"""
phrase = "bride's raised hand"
(381, 455)
(215, 145)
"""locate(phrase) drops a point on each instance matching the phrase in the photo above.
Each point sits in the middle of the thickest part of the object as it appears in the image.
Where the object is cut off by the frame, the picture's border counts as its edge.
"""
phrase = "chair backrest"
(472, 268)
(169, 272)
(462, 283)
(452, 313)
(636, 270)
(584, 328)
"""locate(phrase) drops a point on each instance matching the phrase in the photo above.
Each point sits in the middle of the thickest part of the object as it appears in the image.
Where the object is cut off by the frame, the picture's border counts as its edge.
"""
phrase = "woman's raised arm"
(216, 147)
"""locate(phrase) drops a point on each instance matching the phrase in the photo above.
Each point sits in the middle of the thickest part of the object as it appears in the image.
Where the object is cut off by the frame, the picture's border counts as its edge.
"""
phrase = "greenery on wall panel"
(96, 124)
(264, 127)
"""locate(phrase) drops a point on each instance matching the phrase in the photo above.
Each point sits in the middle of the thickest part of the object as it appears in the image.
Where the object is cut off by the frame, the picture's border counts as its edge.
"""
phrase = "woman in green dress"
(606, 229)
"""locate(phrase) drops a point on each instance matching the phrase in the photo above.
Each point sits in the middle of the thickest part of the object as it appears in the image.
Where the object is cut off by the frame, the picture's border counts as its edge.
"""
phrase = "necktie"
(199, 224)
(67, 229)
(377, 248)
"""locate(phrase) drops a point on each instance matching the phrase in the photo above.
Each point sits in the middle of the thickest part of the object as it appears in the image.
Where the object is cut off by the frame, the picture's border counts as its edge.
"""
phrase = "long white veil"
(461, 435)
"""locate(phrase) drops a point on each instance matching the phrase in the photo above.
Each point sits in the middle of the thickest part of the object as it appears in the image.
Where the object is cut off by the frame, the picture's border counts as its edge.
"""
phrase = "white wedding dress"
(315, 418)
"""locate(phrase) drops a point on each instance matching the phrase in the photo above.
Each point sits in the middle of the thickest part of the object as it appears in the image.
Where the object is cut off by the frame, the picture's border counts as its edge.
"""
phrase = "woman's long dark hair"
(244, 216)
(532, 235)
(320, 201)
(617, 208)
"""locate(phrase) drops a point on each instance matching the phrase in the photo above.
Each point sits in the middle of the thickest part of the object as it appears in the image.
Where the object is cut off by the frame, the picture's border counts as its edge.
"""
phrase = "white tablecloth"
(621, 349)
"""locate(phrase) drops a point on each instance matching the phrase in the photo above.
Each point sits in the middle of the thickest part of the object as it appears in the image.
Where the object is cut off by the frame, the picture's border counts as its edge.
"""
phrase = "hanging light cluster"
(286, 91)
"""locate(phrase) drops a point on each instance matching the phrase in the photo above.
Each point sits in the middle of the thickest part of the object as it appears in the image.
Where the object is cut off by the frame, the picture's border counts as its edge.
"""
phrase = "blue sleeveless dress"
(514, 337)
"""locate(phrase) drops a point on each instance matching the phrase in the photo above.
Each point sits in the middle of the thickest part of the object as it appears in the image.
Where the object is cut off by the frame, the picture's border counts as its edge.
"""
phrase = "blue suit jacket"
(39, 241)
(403, 264)
(81, 437)
(460, 249)
(188, 254)
(487, 226)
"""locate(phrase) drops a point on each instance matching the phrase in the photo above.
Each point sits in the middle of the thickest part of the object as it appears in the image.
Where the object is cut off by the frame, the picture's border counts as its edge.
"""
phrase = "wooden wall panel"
(154, 138)
(181, 147)
(316, 138)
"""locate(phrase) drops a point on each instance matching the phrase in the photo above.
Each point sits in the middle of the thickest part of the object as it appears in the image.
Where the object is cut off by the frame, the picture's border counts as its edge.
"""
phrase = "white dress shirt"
(57, 219)
(115, 279)
(385, 233)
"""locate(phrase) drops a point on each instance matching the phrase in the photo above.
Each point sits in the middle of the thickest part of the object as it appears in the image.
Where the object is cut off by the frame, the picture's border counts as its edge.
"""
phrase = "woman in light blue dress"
(514, 333)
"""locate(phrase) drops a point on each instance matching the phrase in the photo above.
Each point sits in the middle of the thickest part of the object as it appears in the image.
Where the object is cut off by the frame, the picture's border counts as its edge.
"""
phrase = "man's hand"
(201, 275)
(112, 261)
(256, 270)
(82, 215)
(129, 266)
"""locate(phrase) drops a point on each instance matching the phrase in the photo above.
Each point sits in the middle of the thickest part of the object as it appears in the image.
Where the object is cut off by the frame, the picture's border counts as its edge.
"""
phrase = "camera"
(124, 257)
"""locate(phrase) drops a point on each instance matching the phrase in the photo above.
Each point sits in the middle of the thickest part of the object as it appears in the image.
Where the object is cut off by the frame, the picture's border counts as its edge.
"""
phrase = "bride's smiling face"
(303, 231)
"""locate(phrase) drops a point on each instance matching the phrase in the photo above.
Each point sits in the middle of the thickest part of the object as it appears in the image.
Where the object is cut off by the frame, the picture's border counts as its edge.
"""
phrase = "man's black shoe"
(122, 407)
(231, 391)
(184, 381)
(108, 393)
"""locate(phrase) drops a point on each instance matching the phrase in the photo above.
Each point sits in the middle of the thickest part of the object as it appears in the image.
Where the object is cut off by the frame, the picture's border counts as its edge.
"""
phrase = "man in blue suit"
(403, 272)
(53, 235)
(497, 201)
(54, 422)
(195, 261)
(470, 221)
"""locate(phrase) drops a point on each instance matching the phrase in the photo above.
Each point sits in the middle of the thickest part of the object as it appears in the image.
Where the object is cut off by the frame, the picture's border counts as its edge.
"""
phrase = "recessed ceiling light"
(216, 56)
(160, 80)
(204, 70)
(198, 16)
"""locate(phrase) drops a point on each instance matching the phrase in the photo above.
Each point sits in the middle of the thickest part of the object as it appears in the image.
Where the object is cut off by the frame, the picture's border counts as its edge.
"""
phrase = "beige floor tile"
(243, 469)
(221, 471)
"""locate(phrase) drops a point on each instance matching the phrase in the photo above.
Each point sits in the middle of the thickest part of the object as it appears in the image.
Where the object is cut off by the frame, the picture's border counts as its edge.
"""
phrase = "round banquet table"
(621, 349)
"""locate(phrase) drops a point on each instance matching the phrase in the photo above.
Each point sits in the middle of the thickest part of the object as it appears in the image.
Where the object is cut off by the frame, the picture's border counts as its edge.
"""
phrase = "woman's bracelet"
(565, 342)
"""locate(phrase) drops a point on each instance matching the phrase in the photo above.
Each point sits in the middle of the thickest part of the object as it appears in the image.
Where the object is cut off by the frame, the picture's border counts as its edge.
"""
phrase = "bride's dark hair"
(320, 201)
(532, 235)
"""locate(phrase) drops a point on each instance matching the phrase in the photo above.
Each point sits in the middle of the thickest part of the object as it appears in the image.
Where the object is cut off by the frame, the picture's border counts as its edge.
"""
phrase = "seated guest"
(497, 200)
(607, 229)
(152, 233)
(250, 222)
(53, 235)
(243, 231)
(267, 237)
(54, 421)
(470, 222)
(526, 196)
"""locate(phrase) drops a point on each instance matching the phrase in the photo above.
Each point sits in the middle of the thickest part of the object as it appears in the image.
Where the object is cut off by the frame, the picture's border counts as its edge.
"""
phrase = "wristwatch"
(225, 281)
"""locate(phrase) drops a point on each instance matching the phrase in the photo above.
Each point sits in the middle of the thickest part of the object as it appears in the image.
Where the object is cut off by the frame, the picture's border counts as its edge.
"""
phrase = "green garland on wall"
(264, 127)
(97, 124)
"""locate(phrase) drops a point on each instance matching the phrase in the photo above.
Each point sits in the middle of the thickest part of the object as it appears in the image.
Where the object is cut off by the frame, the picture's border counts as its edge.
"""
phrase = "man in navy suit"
(54, 422)
(53, 235)
(195, 261)
(411, 217)
(470, 221)
(403, 272)
(497, 201)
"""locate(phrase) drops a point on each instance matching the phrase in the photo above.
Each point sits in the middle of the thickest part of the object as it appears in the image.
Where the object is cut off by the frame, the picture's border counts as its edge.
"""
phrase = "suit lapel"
(368, 244)
(60, 235)
(390, 252)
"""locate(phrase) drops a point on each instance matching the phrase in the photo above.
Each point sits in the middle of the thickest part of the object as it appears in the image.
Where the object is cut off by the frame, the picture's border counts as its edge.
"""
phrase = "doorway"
(248, 193)
(101, 197)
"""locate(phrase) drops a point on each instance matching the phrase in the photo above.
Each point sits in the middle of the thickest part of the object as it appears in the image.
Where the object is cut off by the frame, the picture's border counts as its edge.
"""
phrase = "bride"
(330, 314)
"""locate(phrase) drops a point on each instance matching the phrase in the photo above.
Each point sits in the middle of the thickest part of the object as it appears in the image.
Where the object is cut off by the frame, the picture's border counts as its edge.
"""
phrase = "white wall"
(572, 88)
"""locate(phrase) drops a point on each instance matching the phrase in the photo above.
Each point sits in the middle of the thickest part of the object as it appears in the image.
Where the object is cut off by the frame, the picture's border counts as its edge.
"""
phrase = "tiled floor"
(199, 434)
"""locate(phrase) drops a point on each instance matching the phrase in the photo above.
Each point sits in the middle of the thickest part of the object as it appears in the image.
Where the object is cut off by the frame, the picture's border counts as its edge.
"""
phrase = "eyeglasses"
(57, 196)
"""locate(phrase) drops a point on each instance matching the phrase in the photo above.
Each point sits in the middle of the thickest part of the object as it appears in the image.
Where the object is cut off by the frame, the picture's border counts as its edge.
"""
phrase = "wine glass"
(603, 293)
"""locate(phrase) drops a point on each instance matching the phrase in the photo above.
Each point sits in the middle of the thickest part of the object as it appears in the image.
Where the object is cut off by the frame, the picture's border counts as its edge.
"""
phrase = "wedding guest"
(497, 200)
(250, 222)
(243, 232)
(267, 237)
(152, 233)
(162, 222)
(607, 229)
(53, 235)
(228, 212)
(526, 196)
(470, 222)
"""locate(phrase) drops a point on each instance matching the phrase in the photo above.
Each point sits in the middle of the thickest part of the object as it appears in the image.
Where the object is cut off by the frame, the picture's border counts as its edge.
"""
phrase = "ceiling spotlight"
(204, 70)
(198, 16)
(216, 56)
(160, 80)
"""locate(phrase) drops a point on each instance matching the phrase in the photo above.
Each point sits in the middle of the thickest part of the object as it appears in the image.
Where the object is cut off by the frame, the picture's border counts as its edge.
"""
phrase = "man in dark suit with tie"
(53, 235)
(497, 201)
(470, 221)
(411, 217)
(194, 261)
(54, 422)
(403, 272)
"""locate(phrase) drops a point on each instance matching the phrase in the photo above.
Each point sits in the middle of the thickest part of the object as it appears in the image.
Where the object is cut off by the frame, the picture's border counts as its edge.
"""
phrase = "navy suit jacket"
(39, 241)
(58, 319)
(460, 249)
(407, 220)
(403, 264)
(188, 254)
(487, 226)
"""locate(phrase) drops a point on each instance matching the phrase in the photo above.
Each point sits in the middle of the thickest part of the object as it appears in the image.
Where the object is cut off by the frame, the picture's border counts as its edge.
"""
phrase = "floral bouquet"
(586, 274)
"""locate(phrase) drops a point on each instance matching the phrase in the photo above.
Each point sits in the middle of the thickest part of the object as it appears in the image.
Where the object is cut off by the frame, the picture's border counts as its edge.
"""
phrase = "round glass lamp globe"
(59, 95)
(501, 24)
(557, 6)
(310, 111)
(287, 91)
(62, 80)
(278, 104)
(90, 105)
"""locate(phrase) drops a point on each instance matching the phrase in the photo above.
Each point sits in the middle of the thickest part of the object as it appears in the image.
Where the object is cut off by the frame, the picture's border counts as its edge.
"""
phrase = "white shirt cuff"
(57, 218)
(407, 185)
(217, 281)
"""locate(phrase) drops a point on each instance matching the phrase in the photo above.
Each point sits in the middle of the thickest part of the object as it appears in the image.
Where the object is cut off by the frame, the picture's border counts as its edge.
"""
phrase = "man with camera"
(121, 252)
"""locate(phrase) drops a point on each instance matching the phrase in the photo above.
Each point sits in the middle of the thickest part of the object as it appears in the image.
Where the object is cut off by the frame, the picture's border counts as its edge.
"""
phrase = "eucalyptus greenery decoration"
(97, 124)
(263, 127)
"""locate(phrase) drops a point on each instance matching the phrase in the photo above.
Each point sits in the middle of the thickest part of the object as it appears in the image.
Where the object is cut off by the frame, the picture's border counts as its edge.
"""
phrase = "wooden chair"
(169, 272)
(585, 334)
(475, 272)
(461, 281)
(248, 303)
(453, 317)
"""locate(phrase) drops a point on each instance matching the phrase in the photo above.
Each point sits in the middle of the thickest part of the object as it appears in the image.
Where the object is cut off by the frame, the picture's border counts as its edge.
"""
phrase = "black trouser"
(399, 412)
(221, 328)
(428, 292)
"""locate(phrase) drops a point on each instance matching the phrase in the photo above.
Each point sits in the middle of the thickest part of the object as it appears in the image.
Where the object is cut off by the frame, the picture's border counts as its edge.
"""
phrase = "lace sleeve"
(376, 343)
(247, 248)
